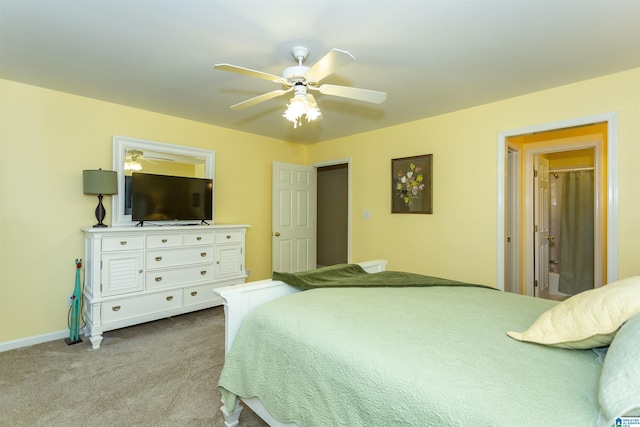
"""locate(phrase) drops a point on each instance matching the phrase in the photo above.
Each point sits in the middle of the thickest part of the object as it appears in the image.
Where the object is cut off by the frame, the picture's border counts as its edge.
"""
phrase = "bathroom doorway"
(566, 146)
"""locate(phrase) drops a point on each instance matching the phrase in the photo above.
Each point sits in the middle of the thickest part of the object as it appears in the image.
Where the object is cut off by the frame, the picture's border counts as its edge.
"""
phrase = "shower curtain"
(576, 251)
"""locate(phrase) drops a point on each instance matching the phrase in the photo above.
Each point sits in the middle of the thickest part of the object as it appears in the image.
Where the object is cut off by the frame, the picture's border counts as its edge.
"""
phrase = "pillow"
(619, 393)
(586, 320)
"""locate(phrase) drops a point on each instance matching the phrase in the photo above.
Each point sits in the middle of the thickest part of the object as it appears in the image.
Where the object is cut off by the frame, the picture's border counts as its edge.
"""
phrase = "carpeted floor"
(161, 373)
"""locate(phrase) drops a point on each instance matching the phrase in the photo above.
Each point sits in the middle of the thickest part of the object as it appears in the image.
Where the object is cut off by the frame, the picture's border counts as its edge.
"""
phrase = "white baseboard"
(38, 339)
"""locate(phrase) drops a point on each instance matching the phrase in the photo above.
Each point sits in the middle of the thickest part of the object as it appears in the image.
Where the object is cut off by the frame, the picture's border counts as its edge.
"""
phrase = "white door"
(541, 224)
(293, 230)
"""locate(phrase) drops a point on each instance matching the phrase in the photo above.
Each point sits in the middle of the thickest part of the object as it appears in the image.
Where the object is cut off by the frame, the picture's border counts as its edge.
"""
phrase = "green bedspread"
(352, 275)
(408, 356)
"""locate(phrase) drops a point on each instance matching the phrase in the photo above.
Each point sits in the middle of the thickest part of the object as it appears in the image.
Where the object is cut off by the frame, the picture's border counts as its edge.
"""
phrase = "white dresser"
(138, 274)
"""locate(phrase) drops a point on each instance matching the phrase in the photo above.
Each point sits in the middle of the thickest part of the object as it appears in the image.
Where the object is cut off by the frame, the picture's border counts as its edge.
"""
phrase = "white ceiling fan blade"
(329, 63)
(260, 98)
(250, 73)
(354, 93)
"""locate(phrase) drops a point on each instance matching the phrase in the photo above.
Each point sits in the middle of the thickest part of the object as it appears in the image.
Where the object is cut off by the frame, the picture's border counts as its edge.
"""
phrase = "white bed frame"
(238, 301)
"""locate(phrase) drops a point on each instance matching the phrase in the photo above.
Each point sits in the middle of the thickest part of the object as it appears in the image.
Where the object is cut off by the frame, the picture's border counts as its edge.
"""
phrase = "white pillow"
(587, 320)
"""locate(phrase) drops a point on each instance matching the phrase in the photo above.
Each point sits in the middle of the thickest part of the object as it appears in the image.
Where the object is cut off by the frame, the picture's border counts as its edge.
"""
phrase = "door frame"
(513, 241)
(342, 161)
(612, 188)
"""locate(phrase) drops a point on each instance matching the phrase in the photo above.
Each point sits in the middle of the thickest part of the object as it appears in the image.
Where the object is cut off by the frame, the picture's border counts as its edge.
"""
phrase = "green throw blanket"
(352, 275)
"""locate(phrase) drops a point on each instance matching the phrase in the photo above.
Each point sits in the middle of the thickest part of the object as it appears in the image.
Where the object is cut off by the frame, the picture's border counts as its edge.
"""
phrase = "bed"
(414, 350)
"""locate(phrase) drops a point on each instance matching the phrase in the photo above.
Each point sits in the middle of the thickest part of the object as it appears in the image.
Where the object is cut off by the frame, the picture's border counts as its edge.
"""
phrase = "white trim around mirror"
(122, 143)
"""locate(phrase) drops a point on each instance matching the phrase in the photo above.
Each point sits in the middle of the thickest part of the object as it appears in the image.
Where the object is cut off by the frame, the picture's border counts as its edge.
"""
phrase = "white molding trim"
(612, 187)
(29, 341)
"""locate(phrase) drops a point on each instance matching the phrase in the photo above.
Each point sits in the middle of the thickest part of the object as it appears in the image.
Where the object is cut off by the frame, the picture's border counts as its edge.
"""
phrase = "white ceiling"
(431, 57)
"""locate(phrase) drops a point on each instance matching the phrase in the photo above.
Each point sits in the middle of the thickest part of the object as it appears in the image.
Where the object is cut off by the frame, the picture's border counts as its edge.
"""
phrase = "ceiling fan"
(300, 79)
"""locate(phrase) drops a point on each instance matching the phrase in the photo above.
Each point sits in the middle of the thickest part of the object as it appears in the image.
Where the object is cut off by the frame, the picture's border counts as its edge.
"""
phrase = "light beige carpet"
(161, 373)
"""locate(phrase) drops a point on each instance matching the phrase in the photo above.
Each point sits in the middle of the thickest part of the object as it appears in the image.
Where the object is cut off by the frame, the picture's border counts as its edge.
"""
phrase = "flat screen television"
(170, 198)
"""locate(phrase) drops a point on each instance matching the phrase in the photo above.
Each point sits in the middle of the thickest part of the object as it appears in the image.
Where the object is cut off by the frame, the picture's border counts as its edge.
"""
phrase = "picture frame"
(412, 184)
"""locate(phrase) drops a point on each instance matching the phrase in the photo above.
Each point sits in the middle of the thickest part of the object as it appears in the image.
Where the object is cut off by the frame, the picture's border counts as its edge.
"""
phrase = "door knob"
(277, 234)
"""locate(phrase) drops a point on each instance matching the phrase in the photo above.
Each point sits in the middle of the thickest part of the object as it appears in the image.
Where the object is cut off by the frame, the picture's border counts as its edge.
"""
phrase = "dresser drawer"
(191, 239)
(230, 236)
(200, 295)
(122, 243)
(164, 241)
(176, 257)
(122, 309)
(169, 277)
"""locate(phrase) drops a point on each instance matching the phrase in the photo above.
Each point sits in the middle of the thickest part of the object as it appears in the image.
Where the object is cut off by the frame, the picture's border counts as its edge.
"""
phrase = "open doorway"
(567, 219)
(545, 156)
(333, 214)
(516, 261)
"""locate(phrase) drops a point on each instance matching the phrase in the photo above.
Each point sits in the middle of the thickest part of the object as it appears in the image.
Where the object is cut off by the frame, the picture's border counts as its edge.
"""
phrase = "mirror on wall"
(132, 155)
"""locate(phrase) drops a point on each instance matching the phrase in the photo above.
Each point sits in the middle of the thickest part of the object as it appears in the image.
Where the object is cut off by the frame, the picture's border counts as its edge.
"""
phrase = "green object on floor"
(74, 311)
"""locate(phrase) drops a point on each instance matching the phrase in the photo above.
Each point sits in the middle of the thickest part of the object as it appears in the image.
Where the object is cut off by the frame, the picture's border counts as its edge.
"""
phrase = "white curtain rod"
(571, 170)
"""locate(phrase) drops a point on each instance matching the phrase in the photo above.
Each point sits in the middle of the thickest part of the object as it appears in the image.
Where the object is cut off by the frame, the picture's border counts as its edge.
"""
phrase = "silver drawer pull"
(123, 242)
(203, 272)
(115, 308)
(158, 258)
(203, 254)
(164, 240)
(228, 237)
(198, 238)
(159, 279)
(194, 293)
(169, 298)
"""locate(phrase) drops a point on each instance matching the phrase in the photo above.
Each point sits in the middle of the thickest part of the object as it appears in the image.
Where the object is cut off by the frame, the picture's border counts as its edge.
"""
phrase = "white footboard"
(239, 300)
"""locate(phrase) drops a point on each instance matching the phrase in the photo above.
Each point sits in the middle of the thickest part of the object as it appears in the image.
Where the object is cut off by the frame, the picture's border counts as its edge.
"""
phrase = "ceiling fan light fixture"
(131, 162)
(298, 107)
(132, 166)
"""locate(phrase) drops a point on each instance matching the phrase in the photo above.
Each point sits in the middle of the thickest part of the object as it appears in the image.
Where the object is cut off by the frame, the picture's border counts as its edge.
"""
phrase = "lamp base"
(69, 341)
(100, 213)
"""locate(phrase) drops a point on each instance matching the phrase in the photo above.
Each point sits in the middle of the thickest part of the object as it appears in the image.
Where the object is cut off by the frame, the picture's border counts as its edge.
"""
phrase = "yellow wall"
(47, 138)
(459, 240)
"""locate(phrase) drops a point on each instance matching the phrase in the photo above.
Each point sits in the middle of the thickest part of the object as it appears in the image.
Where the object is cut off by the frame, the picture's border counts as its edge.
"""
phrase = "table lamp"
(100, 182)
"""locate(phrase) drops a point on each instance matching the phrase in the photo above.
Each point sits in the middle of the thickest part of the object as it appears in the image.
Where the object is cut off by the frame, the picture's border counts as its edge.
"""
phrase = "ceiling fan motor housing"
(295, 72)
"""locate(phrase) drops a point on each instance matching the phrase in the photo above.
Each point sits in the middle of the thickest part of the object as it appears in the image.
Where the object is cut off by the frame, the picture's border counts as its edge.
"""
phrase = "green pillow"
(587, 320)
(619, 393)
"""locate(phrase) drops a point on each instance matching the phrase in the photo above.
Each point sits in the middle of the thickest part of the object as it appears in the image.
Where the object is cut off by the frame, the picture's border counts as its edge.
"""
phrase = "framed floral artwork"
(411, 184)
